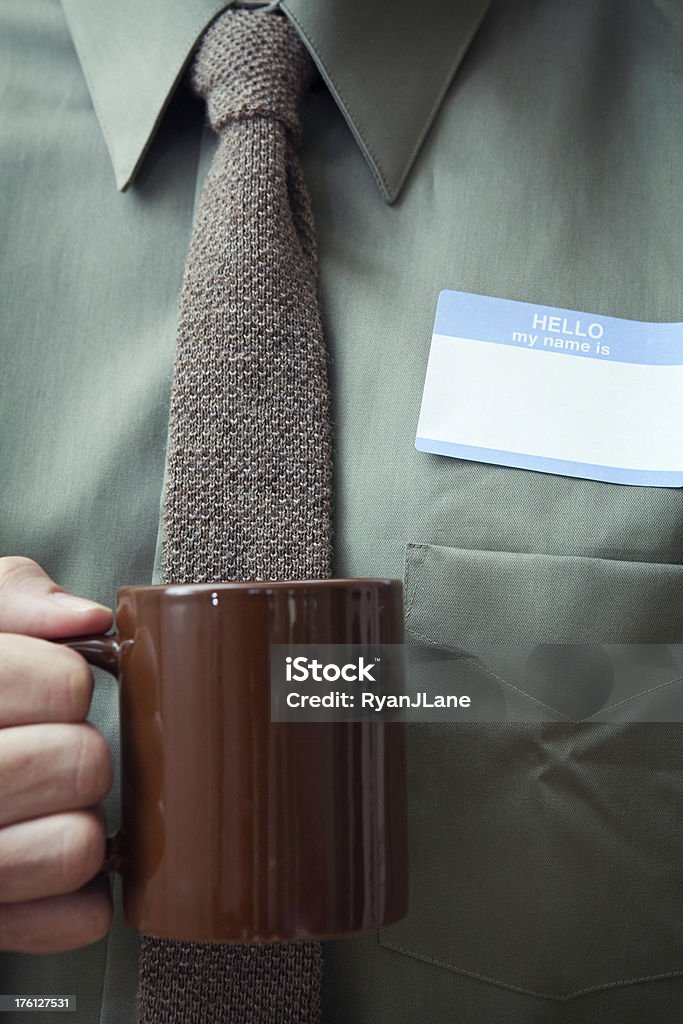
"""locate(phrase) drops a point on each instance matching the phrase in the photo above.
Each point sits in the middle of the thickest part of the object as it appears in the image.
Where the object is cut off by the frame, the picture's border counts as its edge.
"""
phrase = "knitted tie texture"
(249, 467)
(248, 493)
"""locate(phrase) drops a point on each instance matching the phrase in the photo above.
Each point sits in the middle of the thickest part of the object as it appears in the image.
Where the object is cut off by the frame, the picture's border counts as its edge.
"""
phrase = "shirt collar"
(387, 64)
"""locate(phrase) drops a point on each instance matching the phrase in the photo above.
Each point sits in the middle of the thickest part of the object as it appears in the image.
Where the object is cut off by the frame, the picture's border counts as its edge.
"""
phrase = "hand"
(54, 768)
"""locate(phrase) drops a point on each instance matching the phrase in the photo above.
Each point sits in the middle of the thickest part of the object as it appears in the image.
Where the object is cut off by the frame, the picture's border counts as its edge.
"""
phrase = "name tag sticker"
(554, 390)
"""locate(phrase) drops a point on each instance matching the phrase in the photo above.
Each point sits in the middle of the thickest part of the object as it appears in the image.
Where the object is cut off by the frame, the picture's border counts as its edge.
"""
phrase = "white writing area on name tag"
(554, 390)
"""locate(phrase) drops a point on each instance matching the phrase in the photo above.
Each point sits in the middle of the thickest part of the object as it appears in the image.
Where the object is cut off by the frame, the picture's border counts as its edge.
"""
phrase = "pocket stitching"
(410, 576)
(561, 997)
(565, 718)
(634, 696)
(499, 679)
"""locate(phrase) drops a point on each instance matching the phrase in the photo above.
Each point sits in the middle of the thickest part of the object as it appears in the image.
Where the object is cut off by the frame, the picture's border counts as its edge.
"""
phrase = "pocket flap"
(453, 593)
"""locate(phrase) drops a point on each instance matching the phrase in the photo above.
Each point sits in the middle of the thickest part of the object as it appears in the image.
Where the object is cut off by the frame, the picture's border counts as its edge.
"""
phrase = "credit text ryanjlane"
(377, 702)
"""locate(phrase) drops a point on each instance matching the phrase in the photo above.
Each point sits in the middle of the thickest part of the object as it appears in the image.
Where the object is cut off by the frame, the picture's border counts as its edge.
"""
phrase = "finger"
(41, 682)
(58, 923)
(49, 768)
(32, 603)
(50, 856)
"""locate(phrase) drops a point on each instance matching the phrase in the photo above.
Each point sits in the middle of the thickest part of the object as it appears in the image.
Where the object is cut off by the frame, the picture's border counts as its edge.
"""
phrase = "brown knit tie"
(249, 466)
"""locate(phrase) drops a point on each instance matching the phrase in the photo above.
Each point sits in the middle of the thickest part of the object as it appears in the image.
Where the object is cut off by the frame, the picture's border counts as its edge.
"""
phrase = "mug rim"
(260, 586)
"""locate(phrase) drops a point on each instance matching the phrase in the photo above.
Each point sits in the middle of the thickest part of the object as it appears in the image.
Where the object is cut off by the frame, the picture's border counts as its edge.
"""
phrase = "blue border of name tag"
(483, 318)
(561, 467)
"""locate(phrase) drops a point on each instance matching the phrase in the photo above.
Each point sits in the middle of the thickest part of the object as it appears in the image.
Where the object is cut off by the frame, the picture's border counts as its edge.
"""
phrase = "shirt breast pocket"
(546, 856)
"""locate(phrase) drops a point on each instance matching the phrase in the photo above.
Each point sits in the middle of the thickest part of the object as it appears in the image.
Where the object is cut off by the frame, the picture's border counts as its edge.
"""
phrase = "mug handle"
(104, 651)
(100, 649)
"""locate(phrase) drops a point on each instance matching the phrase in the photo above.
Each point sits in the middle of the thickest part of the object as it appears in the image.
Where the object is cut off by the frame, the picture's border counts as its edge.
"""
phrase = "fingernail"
(76, 604)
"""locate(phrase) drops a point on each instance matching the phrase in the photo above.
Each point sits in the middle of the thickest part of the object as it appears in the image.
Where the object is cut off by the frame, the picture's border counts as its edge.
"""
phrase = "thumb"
(33, 604)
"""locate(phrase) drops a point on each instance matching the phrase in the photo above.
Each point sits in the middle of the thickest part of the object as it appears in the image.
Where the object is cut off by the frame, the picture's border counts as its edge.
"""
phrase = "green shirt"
(524, 149)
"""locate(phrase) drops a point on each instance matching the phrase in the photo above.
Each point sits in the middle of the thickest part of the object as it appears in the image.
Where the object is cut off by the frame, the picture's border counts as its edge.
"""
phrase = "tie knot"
(251, 64)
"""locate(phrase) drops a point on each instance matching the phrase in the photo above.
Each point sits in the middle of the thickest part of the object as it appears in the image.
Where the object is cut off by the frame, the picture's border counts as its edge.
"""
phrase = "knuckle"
(24, 777)
(14, 658)
(13, 937)
(76, 689)
(13, 567)
(82, 851)
(41, 681)
(92, 766)
(99, 918)
(21, 655)
(57, 924)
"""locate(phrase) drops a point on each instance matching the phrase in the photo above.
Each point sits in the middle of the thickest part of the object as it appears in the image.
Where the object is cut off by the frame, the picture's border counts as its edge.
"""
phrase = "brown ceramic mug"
(235, 828)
